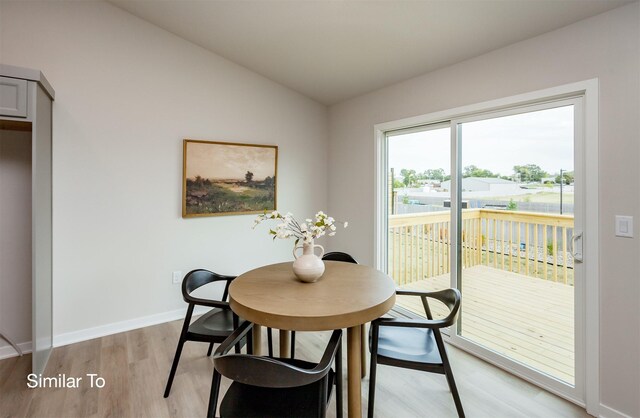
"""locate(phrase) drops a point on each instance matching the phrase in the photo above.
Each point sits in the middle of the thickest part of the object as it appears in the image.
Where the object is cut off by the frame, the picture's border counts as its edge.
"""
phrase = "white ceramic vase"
(308, 267)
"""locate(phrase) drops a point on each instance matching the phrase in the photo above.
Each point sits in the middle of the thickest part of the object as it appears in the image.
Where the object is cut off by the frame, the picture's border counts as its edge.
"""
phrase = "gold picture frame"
(225, 178)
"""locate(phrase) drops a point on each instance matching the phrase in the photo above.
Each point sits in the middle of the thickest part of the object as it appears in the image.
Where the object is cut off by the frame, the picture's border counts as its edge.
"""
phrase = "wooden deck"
(529, 320)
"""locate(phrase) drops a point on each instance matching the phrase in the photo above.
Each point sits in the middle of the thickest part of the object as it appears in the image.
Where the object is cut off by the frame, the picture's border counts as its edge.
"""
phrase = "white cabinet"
(13, 97)
(26, 101)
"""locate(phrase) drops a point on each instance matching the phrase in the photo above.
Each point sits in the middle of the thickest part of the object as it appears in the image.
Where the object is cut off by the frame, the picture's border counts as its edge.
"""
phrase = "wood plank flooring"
(135, 365)
(530, 320)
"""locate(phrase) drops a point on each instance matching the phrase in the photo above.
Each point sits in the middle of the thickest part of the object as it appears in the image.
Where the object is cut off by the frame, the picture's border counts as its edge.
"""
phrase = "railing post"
(535, 249)
(565, 259)
(555, 253)
(519, 244)
(544, 252)
(510, 245)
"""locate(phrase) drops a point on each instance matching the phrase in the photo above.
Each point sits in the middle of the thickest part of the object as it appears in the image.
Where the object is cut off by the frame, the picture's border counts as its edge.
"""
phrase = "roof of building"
(489, 180)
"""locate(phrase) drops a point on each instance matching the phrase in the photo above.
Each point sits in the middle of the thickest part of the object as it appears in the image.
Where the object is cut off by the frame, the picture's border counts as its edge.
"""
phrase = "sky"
(544, 138)
(217, 161)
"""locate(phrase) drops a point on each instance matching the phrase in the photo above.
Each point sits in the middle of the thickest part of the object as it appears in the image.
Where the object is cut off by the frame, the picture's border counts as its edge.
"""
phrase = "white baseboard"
(122, 326)
(8, 351)
(608, 412)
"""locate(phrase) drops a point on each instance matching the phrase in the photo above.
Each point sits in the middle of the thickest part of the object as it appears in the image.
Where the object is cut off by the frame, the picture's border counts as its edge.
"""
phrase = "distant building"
(485, 184)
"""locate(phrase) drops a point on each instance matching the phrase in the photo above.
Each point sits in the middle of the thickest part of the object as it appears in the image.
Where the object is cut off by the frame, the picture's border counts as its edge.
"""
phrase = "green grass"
(225, 197)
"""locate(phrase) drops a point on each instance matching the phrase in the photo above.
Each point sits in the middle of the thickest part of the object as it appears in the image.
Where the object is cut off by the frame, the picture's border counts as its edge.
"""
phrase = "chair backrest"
(266, 371)
(339, 256)
(451, 298)
(200, 277)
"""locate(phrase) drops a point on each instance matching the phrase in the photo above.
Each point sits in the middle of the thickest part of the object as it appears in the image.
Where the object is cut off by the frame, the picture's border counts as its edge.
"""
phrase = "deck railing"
(532, 244)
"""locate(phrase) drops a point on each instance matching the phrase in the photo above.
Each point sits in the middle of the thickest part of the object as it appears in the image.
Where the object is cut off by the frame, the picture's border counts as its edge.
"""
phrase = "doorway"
(491, 200)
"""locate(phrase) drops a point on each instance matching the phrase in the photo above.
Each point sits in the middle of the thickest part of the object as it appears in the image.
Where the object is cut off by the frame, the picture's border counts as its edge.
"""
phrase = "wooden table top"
(346, 295)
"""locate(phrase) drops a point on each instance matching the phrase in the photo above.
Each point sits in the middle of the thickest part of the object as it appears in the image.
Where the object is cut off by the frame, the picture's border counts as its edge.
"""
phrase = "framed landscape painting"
(221, 178)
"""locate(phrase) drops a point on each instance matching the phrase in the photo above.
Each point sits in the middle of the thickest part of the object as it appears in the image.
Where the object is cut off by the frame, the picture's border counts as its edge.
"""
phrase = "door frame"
(588, 91)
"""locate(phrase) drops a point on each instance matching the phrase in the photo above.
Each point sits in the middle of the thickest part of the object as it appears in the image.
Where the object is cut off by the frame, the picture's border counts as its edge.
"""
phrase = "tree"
(433, 174)
(529, 173)
(567, 176)
(473, 171)
(408, 177)
(248, 177)
(268, 181)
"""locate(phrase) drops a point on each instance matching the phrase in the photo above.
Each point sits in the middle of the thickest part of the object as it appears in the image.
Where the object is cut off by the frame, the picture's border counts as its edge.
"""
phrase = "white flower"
(346, 224)
(288, 227)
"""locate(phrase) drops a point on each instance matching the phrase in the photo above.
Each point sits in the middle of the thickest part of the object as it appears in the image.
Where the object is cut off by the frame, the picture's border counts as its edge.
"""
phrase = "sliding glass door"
(493, 204)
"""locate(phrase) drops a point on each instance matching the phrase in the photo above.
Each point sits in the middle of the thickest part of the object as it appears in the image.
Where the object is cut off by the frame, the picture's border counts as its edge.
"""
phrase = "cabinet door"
(13, 97)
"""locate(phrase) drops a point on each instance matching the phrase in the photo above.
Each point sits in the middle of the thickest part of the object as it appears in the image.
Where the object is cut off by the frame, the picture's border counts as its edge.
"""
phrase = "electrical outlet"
(176, 278)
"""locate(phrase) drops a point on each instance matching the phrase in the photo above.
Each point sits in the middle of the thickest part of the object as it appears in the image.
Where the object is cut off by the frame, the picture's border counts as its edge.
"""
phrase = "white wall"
(127, 93)
(606, 46)
(15, 238)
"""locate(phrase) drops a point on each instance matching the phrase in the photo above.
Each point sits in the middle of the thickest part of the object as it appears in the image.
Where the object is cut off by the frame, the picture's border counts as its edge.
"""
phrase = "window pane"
(419, 213)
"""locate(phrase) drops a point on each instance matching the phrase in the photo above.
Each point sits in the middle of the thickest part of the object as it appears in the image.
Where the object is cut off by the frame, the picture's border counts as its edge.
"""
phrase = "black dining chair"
(332, 256)
(339, 256)
(415, 343)
(214, 326)
(274, 387)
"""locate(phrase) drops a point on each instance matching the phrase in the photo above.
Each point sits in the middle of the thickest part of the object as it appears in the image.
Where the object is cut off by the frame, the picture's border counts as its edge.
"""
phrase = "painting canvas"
(221, 178)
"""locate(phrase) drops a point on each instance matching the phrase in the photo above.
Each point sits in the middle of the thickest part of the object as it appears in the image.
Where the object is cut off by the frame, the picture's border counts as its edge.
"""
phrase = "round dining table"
(346, 296)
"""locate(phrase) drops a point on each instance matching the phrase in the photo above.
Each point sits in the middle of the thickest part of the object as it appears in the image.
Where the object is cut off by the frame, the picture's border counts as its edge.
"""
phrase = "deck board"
(528, 319)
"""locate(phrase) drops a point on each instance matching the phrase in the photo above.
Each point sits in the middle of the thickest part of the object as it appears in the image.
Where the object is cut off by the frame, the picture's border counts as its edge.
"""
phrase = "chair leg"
(449, 373)
(270, 341)
(372, 370)
(210, 350)
(250, 343)
(293, 344)
(324, 397)
(174, 367)
(339, 396)
(363, 351)
(454, 392)
(213, 396)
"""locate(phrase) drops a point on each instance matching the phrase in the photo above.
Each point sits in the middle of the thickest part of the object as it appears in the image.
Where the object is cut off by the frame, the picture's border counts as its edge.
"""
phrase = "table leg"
(256, 333)
(285, 343)
(363, 350)
(353, 372)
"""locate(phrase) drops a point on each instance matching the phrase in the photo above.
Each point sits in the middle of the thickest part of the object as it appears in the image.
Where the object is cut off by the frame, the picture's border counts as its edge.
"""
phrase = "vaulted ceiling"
(331, 51)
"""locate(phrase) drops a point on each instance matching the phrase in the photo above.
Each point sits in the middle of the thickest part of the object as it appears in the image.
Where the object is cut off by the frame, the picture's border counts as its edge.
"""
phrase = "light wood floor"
(135, 365)
(530, 320)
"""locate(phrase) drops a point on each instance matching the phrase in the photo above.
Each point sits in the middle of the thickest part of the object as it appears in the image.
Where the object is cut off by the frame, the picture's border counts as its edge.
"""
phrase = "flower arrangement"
(306, 231)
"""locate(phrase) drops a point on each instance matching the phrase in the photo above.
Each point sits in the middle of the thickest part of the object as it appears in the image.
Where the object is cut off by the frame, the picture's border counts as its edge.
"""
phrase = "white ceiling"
(334, 50)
